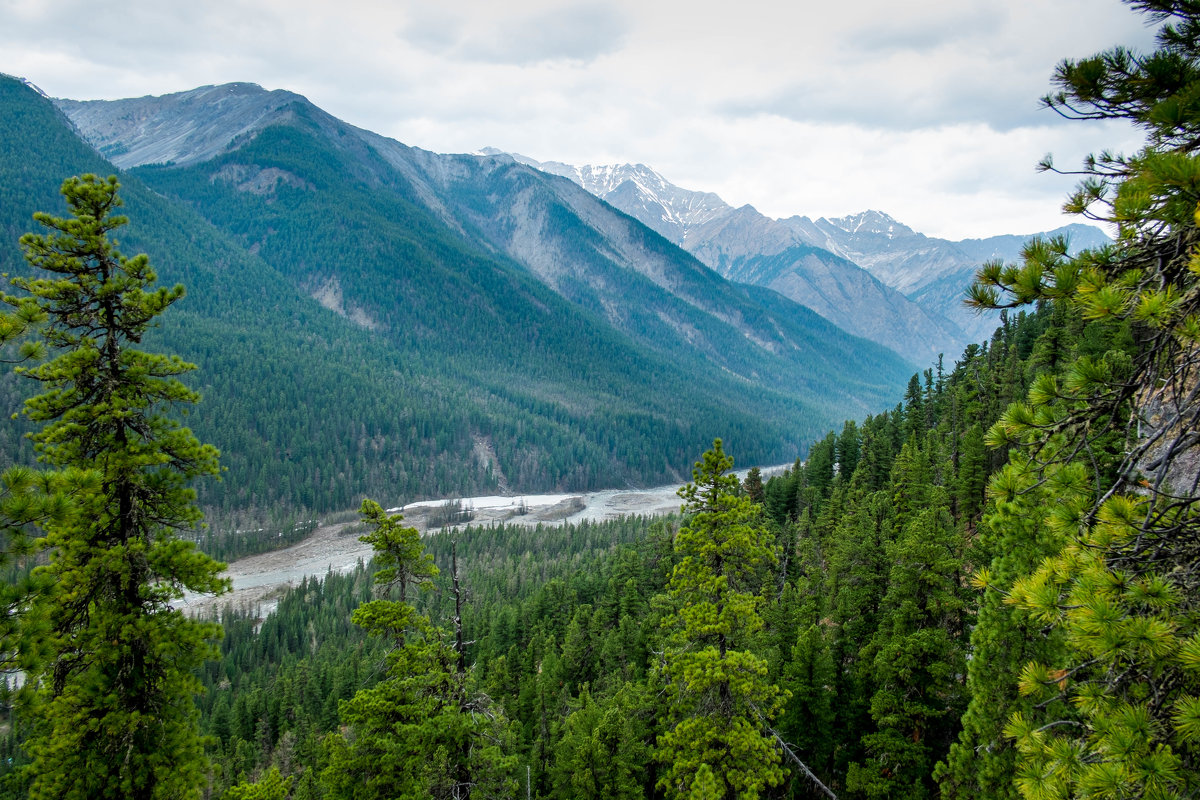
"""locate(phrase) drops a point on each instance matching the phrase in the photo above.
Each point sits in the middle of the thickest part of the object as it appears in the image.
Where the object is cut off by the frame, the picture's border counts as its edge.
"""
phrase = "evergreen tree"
(399, 555)
(603, 753)
(109, 657)
(754, 486)
(1119, 715)
(982, 763)
(421, 732)
(808, 720)
(918, 662)
(273, 786)
(720, 696)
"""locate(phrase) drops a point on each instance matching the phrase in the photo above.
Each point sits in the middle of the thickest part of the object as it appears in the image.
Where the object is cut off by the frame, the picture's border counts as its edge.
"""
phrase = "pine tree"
(982, 763)
(1119, 715)
(421, 732)
(603, 752)
(399, 555)
(272, 786)
(918, 662)
(719, 693)
(109, 655)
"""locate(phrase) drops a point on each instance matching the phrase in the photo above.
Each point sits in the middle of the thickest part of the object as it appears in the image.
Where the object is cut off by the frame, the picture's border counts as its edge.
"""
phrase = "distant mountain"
(580, 349)
(640, 192)
(745, 246)
(933, 272)
(915, 303)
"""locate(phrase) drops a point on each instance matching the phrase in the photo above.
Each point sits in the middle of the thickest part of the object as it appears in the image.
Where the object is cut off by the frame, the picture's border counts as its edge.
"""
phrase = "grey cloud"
(433, 28)
(582, 32)
(945, 98)
(951, 26)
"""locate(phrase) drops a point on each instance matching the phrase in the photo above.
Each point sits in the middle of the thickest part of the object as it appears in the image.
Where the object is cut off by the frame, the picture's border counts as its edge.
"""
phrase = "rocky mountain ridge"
(748, 247)
(928, 275)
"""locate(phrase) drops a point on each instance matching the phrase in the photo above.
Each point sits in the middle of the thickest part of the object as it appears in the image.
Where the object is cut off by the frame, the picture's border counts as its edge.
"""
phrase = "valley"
(258, 581)
(972, 573)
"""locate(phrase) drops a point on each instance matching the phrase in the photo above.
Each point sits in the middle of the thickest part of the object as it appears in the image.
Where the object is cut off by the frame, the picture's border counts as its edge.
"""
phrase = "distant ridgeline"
(364, 329)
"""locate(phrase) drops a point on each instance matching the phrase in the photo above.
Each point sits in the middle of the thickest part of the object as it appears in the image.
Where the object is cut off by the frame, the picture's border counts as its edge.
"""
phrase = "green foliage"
(420, 732)
(312, 410)
(603, 752)
(400, 559)
(108, 659)
(919, 661)
(719, 696)
(1014, 540)
(1109, 715)
(272, 786)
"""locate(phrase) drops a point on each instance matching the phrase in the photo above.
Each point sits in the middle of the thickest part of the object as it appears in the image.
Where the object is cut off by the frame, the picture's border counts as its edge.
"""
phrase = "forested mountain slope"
(267, 185)
(438, 364)
(868, 599)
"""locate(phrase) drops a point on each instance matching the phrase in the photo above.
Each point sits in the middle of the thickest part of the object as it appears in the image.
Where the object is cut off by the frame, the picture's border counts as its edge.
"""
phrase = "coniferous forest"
(991, 590)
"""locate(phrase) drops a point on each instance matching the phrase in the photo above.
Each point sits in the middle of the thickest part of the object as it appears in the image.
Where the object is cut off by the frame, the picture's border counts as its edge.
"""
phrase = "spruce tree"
(108, 655)
(720, 696)
(918, 660)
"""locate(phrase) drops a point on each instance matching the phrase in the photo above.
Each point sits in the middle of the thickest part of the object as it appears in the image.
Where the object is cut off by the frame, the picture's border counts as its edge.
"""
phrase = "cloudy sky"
(925, 109)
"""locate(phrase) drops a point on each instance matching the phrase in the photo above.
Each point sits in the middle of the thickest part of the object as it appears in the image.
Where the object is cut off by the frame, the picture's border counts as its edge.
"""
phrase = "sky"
(925, 110)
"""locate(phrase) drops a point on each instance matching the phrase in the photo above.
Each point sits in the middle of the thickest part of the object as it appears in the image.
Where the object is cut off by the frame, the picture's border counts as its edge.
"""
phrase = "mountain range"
(867, 273)
(374, 318)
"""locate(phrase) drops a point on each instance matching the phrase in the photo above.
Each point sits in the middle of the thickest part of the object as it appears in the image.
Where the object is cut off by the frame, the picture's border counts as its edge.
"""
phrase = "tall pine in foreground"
(109, 660)
(1117, 714)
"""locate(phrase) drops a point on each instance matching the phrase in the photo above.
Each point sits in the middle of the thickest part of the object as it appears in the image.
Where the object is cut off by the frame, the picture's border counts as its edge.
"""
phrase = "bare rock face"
(1169, 433)
(180, 128)
(260, 180)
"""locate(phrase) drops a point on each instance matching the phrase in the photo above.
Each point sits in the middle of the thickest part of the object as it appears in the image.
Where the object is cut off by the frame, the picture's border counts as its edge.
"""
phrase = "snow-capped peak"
(639, 191)
(871, 222)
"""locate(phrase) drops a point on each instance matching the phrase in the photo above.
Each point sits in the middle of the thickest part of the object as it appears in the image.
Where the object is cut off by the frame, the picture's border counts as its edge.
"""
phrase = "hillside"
(356, 336)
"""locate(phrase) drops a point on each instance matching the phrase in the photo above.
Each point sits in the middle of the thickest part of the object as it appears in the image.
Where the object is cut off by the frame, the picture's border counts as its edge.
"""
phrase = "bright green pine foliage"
(399, 555)
(109, 659)
(602, 753)
(720, 696)
(705, 786)
(1119, 716)
(273, 786)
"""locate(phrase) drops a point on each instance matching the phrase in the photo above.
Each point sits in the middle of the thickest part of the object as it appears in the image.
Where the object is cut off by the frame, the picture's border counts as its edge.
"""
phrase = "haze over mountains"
(374, 318)
(867, 273)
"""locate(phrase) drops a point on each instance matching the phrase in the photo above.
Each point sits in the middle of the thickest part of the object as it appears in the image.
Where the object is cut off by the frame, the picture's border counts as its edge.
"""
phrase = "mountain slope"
(303, 170)
(735, 242)
(312, 408)
(915, 305)
(933, 272)
(580, 349)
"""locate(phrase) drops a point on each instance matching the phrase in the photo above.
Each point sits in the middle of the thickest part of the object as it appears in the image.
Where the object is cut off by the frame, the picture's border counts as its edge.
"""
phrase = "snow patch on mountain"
(638, 191)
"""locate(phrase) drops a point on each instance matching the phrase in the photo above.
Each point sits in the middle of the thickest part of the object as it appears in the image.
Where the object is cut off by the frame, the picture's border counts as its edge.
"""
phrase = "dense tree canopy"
(989, 591)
